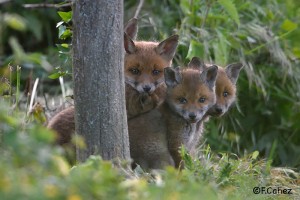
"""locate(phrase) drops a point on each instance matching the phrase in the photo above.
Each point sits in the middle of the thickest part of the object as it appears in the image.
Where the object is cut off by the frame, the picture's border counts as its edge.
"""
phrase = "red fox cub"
(225, 85)
(64, 124)
(144, 81)
(143, 68)
(155, 137)
(225, 95)
(225, 89)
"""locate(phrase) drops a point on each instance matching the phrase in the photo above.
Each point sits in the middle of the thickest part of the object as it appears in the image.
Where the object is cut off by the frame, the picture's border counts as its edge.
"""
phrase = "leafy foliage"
(64, 49)
(32, 167)
(231, 10)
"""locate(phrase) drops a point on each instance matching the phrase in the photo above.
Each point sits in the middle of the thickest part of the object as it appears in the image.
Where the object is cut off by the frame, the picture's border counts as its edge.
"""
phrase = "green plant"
(33, 167)
(64, 49)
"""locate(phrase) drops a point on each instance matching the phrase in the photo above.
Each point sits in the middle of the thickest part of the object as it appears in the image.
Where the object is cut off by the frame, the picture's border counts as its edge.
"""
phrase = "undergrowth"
(32, 167)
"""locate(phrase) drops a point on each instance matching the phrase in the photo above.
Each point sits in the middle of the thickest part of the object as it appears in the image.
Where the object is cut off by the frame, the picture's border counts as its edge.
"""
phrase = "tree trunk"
(99, 91)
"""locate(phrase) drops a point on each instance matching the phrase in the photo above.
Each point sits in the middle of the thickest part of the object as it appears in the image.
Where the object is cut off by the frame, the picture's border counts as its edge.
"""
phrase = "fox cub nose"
(219, 110)
(192, 116)
(147, 88)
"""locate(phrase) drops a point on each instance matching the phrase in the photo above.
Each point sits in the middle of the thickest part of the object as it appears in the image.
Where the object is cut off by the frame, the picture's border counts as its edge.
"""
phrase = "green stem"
(18, 86)
(269, 42)
(206, 13)
(10, 82)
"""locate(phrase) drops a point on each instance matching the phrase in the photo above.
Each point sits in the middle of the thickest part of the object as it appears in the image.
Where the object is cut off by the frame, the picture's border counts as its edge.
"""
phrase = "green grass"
(32, 167)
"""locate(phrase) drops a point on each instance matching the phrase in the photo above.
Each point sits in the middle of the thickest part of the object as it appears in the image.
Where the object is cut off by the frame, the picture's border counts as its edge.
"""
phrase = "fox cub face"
(145, 61)
(191, 93)
(225, 85)
(225, 89)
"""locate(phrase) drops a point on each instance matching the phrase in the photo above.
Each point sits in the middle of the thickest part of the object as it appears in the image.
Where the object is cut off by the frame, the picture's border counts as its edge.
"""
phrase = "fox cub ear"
(233, 70)
(209, 76)
(129, 44)
(131, 28)
(197, 63)
(167, 48)
(172, 76)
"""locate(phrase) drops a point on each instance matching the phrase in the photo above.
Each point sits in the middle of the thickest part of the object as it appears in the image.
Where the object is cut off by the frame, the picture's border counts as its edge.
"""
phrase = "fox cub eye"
(135, 71)
(225, 94)
(202, 100)
(182, 100)
(155, 72)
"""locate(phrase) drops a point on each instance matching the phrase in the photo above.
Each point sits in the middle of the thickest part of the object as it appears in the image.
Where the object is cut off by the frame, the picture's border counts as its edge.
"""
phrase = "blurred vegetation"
(28, 38)
(263, 35)
(32, 167)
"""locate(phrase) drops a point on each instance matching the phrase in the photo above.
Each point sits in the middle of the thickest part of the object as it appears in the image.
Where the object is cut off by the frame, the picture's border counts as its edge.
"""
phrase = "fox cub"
(144, 81)
(63, 123)
(143, 67)
(225, 85)
(225, 89)
(155, 137)
(225, 95)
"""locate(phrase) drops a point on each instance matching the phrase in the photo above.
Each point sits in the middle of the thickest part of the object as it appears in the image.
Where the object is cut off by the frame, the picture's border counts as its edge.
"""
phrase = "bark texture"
(98, 73)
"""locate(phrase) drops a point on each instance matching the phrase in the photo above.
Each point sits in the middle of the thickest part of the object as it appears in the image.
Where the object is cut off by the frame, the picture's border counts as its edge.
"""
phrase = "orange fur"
(225, 89)
(155, 137)
(64, 125)
(146, 57)
(143, 68)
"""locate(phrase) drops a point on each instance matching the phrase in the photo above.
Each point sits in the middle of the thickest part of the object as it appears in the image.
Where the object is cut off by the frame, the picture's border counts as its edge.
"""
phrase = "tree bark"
(98, 74)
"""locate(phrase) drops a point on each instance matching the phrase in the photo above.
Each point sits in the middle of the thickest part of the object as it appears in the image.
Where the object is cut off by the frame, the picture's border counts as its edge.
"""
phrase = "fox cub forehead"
(192, 84)
(145, 56)
(146, 46)
(191, 77)
(223, 82)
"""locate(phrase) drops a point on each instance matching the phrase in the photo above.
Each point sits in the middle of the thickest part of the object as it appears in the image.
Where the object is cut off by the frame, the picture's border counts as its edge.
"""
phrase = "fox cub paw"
(147, 101)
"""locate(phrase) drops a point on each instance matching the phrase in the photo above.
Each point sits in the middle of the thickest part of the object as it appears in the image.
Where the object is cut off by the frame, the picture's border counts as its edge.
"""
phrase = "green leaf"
(65, 45)
(221, 49)
(66, 16)
(225, 172)
(15, 21)
(64, 32)
(230, 8)
(255, 155)
(188, 161)
(17, 49)
(61, 30)
(185, 6)
(296, 52)
(35, 26)
(288, 25)
(195, 49)
(54, 76)
(4, 87)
